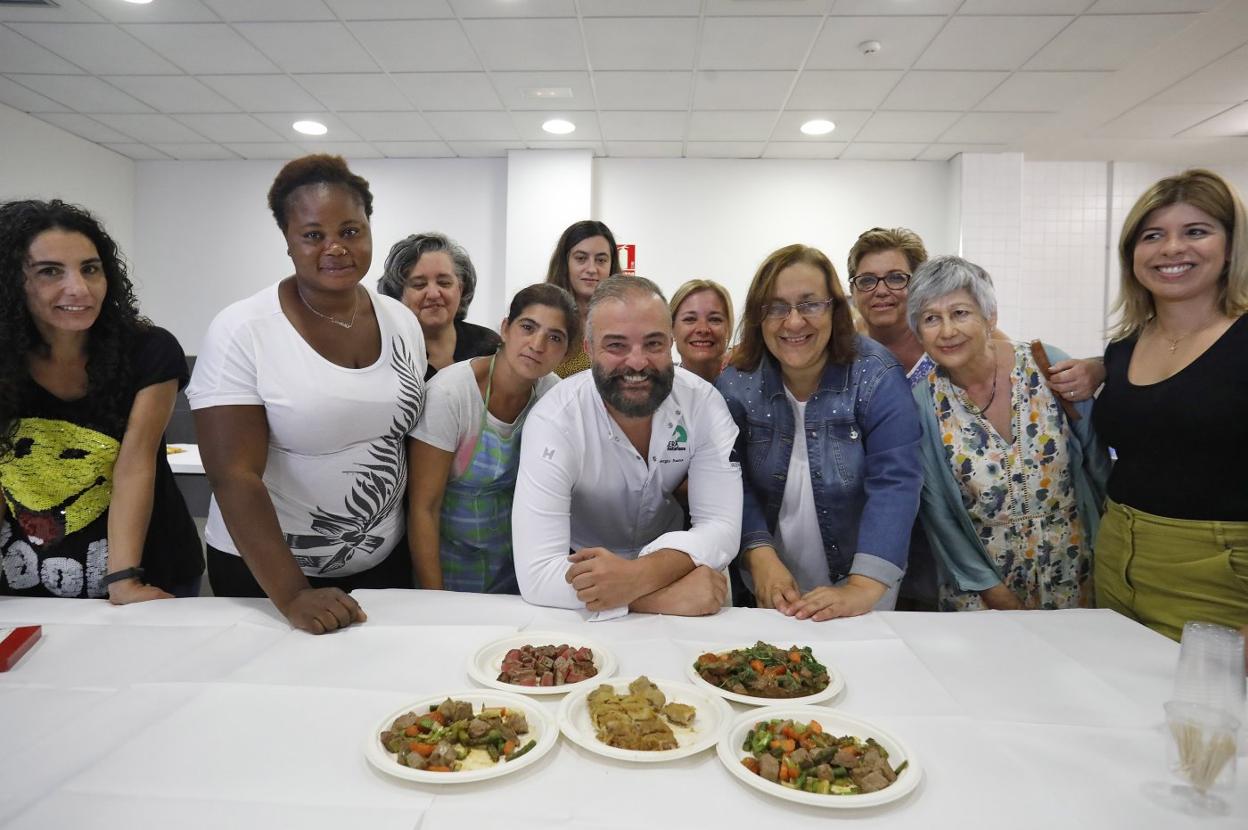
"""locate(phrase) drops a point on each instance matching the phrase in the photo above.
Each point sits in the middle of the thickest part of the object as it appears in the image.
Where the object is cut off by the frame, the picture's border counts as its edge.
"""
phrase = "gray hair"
(618, 287)
(407, 252)
(941, 276)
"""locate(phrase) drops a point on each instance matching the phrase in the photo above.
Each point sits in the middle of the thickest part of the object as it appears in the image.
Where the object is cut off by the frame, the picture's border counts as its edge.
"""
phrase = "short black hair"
(315, 169)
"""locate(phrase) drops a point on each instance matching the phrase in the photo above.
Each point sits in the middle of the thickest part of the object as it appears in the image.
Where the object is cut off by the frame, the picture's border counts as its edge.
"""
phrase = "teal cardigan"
(960, 556)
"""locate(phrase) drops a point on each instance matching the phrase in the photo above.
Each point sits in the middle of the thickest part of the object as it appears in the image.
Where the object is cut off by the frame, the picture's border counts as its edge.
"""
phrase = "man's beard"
(610, 388)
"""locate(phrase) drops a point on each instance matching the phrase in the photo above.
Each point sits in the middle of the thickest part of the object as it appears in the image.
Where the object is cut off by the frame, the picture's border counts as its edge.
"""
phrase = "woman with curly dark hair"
(87, 386)
(304, 394)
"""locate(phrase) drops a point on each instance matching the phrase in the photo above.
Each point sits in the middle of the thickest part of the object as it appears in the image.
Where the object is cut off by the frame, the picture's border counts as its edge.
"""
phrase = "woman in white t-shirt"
(303, 395)
(467, 447)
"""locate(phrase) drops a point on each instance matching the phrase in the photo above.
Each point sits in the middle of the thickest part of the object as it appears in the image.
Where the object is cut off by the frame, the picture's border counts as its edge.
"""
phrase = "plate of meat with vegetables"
(460, 738)
(762, 674)
(540, 663)
(818, 756)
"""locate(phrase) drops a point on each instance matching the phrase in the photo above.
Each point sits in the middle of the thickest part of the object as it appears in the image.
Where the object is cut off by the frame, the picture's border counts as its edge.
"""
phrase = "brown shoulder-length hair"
(751, 347)
(1201, 189)
(573, 235)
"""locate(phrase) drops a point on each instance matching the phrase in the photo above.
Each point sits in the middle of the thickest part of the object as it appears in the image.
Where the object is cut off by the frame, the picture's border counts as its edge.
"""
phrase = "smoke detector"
(870, 47)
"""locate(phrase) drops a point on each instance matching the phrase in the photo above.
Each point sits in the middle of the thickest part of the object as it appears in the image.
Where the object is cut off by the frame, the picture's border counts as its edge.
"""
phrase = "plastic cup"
(1210, 671)
(1202, 745)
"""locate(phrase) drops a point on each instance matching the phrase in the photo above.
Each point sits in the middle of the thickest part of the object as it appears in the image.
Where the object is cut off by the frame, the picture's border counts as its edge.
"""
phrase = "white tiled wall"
(992, 224)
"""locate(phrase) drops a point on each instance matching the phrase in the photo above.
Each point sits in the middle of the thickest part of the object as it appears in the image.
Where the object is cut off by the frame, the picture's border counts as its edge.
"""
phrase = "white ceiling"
(224, 79)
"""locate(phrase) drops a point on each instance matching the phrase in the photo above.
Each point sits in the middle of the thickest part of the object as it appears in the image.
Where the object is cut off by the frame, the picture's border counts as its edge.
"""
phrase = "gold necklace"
(1174, 341)
(355, 309)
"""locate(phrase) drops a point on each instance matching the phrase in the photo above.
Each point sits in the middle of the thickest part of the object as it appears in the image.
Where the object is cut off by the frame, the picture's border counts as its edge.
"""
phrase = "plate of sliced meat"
(540, 663)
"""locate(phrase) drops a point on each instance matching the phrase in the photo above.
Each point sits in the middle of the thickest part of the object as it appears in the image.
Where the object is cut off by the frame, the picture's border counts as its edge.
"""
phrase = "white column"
(547, 190)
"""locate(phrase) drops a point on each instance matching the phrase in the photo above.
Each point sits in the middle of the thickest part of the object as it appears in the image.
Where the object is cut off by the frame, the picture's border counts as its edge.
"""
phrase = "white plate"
(836, 682)
(833, 722)
(485, 665)
(712, 716)
(541, 728)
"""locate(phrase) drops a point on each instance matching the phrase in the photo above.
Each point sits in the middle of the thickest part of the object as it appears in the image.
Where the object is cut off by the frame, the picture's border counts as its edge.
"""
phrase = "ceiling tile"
(724, 149)
(82, 93)
(389, 126)
(848, 123)
(530, 126)
(473, 126)
(594, 146)
(643, 90)
(720, 90)
(485, 149)
(511, 86)
(882, 151)
(449, 90)
(172, 93)
(97, 47)
(413, 149)
(903, 40)
(1107, 42)
(20, 54)
(355, 93)
(995, 127)
(443, 45)
(271, 150)
(944, 152)
(641, 43)
(138, 152)
(934, 90)
(66, 11)
(990, 42)
(149, 127)
(13, 94)
(645, 149)
(906, 126)
(1221, 82)
(237, 10)
(527, 44)
(904, 7)
(1025, 6)
(842, 89)
(1152, 121)
(263, 93)
(84, 127)
(1233, 122)
(640, 8)
(230, 127)
(731, 126)
(203, 48)
(804, 149)
(1155, 6)
(309, 47)
(1041, 91)
(510, 8)
(642, 126)
(767, 7)
(281, 123)
(390, 9)
(755, 42)
(196, 152)
(166, 11)
(347, 149)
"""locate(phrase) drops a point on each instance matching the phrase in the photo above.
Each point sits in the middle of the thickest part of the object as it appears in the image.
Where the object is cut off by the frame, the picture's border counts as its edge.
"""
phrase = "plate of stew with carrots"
(763, 674)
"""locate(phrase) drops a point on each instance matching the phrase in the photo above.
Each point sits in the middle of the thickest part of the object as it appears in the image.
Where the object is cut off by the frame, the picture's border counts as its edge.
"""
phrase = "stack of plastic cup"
(1207, 709)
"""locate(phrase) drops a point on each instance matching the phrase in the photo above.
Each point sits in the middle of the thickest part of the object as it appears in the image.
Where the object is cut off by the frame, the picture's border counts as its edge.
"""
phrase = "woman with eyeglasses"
(828, 443)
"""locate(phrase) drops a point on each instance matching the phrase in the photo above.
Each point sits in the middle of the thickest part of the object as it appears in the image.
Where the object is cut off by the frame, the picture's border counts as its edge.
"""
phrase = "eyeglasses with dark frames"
(865, 283)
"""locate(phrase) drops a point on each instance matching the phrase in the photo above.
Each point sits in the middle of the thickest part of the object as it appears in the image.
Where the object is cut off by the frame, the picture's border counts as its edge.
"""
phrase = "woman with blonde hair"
(1173, 545)
(702, 326)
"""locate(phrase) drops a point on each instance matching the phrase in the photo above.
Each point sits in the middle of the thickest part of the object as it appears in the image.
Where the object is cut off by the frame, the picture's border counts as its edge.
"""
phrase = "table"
(212, 712)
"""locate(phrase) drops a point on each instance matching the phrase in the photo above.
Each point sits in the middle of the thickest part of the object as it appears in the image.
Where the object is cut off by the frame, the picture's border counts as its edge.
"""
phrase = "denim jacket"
(862, 436)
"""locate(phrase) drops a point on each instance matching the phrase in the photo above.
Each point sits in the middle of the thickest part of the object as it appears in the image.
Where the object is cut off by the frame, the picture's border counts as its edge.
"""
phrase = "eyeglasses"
(865, 283)
(809, 309)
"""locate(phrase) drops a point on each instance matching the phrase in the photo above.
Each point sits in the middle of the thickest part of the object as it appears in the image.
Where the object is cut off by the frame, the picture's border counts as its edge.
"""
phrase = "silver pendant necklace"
(346, 324)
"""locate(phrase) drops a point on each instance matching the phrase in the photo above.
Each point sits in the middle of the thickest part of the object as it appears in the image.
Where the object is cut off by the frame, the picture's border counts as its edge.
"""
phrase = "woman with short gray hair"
(1013, 488)
(433, 276)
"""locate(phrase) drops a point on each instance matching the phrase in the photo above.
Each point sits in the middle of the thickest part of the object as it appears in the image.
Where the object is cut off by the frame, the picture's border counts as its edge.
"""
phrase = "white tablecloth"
(214, 713)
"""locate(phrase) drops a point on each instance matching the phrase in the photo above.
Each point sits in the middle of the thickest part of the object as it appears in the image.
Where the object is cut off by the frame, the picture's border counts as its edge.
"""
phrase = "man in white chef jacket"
(594, 521)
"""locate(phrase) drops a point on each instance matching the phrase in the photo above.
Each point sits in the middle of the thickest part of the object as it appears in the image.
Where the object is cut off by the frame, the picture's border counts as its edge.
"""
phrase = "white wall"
(40, 161)
(206, 237)
(547, 190)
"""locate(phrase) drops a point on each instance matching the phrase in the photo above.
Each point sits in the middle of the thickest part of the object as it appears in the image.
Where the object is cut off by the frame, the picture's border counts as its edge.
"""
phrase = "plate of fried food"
(764, 674)
(818, 756)
(461, 738)
(643, 721)
(540, 663)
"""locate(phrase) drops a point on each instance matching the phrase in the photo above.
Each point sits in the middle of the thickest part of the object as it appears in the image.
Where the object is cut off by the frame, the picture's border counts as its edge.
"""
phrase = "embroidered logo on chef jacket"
(679, 442)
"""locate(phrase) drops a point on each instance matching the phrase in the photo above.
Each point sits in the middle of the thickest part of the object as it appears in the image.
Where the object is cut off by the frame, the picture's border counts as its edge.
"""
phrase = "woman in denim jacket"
(828, 508)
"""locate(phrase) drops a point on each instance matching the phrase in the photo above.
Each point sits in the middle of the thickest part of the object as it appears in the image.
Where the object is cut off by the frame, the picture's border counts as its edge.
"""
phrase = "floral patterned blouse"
(1019, 494)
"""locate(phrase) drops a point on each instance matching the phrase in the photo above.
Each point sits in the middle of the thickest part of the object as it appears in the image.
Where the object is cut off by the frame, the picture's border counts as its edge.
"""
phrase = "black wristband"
(118, 576)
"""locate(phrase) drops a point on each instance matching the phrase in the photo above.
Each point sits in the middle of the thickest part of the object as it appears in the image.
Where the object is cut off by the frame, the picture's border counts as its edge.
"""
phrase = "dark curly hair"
(111, 336)
(315, 169)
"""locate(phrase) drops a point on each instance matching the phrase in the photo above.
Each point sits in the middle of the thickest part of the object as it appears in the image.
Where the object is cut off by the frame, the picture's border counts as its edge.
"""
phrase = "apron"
(475, 544)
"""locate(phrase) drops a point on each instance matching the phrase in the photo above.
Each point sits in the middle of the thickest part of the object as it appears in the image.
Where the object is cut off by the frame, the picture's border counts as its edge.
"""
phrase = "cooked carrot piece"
(421, 749)
(757, 666)
(750, 763)
(438, 768)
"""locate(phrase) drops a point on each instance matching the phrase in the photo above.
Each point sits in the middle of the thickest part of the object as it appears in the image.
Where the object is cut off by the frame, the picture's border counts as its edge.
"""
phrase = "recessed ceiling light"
(139, 2)
(819, 126)
(558, 126)
(310, 127)
(547, 92)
